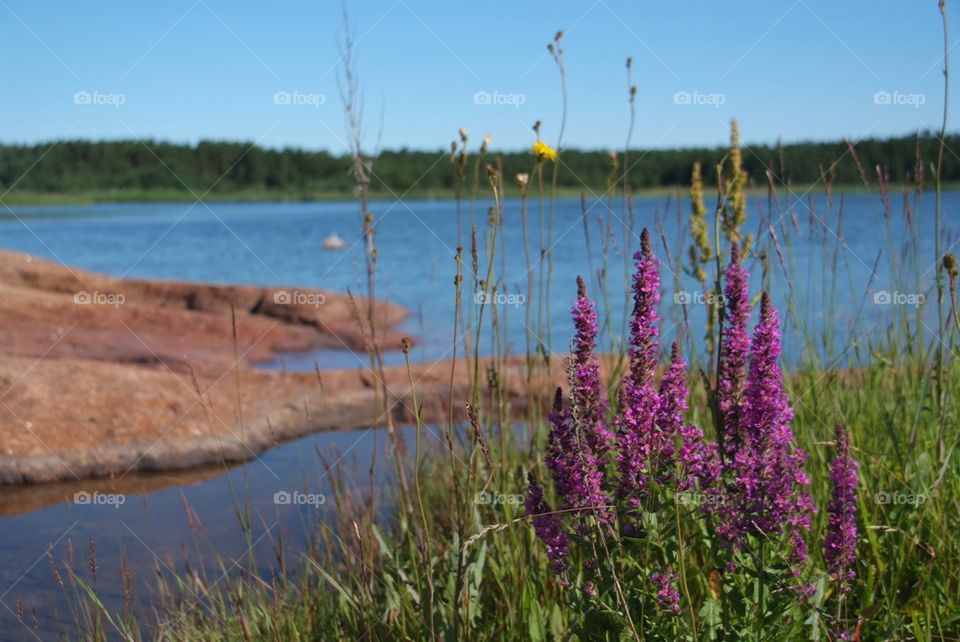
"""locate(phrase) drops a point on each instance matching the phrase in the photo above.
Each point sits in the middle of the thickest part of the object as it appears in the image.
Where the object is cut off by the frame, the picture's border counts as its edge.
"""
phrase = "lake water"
(162, 521)
(830, 250)
(841, 298)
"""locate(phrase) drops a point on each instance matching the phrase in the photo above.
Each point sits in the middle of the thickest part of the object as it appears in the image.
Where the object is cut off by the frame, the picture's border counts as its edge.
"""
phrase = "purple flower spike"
(577, 474)
(548, 526)
(639, 400)
(673, 394)
(691, 461)
(767, 411)
(671, 412)
(667, 595)
(768, 466)
(560, 446)
(840, 543)
(588, 398)
(735, 344)
(643, 324)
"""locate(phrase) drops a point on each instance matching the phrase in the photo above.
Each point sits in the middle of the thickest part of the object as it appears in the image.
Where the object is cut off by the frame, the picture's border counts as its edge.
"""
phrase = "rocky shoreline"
(101, 377)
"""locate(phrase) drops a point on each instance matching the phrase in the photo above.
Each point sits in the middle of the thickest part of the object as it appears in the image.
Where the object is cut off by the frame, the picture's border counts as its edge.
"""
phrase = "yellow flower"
(544, 151)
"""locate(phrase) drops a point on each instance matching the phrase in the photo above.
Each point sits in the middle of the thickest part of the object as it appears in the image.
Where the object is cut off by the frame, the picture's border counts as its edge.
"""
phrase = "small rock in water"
(333, 242)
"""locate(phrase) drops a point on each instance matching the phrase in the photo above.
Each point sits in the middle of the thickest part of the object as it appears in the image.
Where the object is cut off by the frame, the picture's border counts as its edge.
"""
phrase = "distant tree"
(80, 165)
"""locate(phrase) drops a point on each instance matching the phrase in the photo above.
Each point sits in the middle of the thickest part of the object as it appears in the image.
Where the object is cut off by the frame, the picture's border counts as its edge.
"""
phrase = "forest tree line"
(77, 166)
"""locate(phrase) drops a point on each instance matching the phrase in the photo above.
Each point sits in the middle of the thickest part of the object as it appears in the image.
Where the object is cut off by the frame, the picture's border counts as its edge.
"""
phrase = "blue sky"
(185, 70)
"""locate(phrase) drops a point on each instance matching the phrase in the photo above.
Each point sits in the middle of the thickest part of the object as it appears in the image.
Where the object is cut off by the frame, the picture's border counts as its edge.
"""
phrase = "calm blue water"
(834, 276)
(830, 252)
(192, 518)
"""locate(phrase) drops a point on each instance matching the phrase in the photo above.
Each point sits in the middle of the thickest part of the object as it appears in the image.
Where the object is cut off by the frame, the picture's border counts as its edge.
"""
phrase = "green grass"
(377, 585)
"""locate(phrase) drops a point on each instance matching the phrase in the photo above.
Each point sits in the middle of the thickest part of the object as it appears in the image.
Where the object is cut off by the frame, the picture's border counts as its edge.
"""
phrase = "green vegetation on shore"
(81, 172)
(93, 197)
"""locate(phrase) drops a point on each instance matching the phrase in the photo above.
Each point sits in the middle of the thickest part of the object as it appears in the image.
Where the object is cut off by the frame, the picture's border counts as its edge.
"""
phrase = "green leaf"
(712, 617)
(536, 626)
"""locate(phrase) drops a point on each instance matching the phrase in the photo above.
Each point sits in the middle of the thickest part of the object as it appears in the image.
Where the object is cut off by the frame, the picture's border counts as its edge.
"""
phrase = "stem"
(558, 57)
(428, 555)
(938, 232)
(760, 594)
(683, 572)
(458, 584)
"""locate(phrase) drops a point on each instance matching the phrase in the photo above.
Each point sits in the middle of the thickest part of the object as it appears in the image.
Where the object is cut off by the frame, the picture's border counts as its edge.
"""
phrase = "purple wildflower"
(561, 443)
(548, 526)
(643, 323)
(589, 589)
(684, 458)
(667, 595)
(767, 411)
(840, 543)
(673, 406)
(699, 463)
(577, 474)
(768, 468)
(804, 591)
(589, 404)
(639, 400)
(735, 344)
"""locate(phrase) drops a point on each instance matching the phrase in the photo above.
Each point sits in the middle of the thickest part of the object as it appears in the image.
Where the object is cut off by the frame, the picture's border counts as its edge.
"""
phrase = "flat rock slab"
(53, 311)
(101, 377)
(68, 419)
